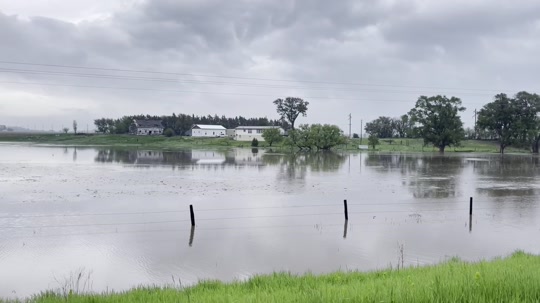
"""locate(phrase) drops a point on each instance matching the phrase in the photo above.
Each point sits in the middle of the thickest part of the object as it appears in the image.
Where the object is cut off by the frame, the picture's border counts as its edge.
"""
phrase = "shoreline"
(178, 143)
(515, 278)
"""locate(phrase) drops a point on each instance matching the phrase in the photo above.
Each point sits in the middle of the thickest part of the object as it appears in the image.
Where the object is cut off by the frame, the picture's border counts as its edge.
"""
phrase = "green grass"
(174, 143)
(513, 279)
(417, 145)
(149, 142)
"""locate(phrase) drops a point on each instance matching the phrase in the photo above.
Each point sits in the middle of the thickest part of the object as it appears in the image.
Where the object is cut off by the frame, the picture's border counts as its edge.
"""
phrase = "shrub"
(168, 132)
(254, 142)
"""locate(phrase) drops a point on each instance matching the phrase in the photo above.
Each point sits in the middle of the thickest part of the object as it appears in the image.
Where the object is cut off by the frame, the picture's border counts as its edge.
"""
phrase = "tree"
(272, 135)
(355, 136)
(65, 130)
(382, 127)
(101, 125)
(321, 137)
(513, 121)
(290, 108)
(326, 136)
(437, 120)
(528, 107)
(254, 142)
(403, 126)
(300, 138)
(373, 140)
(74, 126)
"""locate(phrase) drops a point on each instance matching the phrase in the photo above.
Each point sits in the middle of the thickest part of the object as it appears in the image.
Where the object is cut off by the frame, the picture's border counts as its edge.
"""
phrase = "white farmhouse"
(248, 133)
(201, 130)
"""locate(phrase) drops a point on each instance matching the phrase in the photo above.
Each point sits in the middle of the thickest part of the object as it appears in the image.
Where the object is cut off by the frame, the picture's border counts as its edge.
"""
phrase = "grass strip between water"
(175, 143)
(512, 279)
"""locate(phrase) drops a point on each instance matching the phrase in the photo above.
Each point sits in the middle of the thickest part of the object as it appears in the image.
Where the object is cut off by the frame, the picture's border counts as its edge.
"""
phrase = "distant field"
(513, 279)
(161, 142)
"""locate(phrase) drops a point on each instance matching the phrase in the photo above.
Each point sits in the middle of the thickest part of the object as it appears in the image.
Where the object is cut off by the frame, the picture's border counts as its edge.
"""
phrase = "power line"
(255, 85)
(243, 78)
(198, 92)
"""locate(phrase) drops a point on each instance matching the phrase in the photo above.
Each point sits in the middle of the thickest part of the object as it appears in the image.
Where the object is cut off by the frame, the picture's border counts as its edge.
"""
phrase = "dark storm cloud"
(221, 26)
(459, 43)
(460, 27)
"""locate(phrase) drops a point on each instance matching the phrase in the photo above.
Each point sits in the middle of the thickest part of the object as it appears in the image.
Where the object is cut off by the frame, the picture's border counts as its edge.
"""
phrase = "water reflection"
(508, 176)
(292, 166)
(431, 176)
(123, 213)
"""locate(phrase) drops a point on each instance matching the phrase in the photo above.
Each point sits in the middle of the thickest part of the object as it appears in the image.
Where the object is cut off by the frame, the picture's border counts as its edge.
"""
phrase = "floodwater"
(121, 219)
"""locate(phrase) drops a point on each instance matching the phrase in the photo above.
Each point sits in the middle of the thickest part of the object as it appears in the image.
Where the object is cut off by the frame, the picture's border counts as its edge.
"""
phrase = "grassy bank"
(172, 143)
(513, 279)
(417, 145)
(149, 142)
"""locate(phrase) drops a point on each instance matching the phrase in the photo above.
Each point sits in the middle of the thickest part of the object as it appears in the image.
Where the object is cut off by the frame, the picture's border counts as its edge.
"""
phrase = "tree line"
(511, 121)
(304, 137)
(179, 124)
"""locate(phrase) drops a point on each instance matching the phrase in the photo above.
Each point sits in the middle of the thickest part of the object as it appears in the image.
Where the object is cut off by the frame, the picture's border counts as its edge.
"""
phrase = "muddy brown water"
(121, 217)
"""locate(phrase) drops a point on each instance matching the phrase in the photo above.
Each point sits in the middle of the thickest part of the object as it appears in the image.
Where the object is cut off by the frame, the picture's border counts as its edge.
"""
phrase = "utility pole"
(475, 137)
(350, 124)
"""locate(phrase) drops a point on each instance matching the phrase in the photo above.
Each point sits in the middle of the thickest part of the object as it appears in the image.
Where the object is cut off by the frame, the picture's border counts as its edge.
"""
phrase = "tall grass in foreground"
(513, 279)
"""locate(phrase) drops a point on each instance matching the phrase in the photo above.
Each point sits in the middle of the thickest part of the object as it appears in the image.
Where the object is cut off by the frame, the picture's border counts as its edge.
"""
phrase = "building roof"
(148, 123)
(206, 126)
(257, 127)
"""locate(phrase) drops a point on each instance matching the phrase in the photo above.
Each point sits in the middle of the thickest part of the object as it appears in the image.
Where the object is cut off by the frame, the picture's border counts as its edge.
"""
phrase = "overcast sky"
(368, 58)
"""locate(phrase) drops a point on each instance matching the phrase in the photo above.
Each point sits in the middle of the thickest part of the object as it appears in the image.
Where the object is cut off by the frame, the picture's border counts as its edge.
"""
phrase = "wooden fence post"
(346, 210)
(192, 215)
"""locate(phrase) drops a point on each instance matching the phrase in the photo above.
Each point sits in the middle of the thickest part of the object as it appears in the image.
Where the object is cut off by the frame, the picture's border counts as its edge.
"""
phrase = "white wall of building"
(201, 132)
(243, 134)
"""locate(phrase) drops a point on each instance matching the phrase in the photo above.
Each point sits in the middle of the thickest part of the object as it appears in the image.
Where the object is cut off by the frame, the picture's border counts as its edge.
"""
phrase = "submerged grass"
(513, 279)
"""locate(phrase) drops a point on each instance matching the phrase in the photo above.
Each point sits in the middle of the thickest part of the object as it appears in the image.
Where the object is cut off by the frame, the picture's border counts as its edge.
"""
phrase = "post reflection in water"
(191, 235)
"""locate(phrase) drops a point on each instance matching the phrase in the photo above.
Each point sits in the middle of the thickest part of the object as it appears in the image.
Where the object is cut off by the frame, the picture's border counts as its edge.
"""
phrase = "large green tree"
(513, 120)
(290, 108)
(437, 120)
(528, 107)
(382, 127)
(498, 116)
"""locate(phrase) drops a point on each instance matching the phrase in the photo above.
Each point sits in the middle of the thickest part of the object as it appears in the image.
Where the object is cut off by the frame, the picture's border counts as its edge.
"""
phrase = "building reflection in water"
(291, 165)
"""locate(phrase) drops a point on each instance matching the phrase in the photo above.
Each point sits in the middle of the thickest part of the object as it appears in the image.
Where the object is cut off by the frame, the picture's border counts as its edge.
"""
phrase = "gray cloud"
(417, 44)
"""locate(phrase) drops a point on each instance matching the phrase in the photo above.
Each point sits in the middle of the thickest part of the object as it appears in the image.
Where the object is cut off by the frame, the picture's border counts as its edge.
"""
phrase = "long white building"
(248, 133)
(202, 130)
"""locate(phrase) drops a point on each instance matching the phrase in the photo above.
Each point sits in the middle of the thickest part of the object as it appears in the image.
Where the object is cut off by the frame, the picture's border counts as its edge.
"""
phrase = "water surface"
(122, 216)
